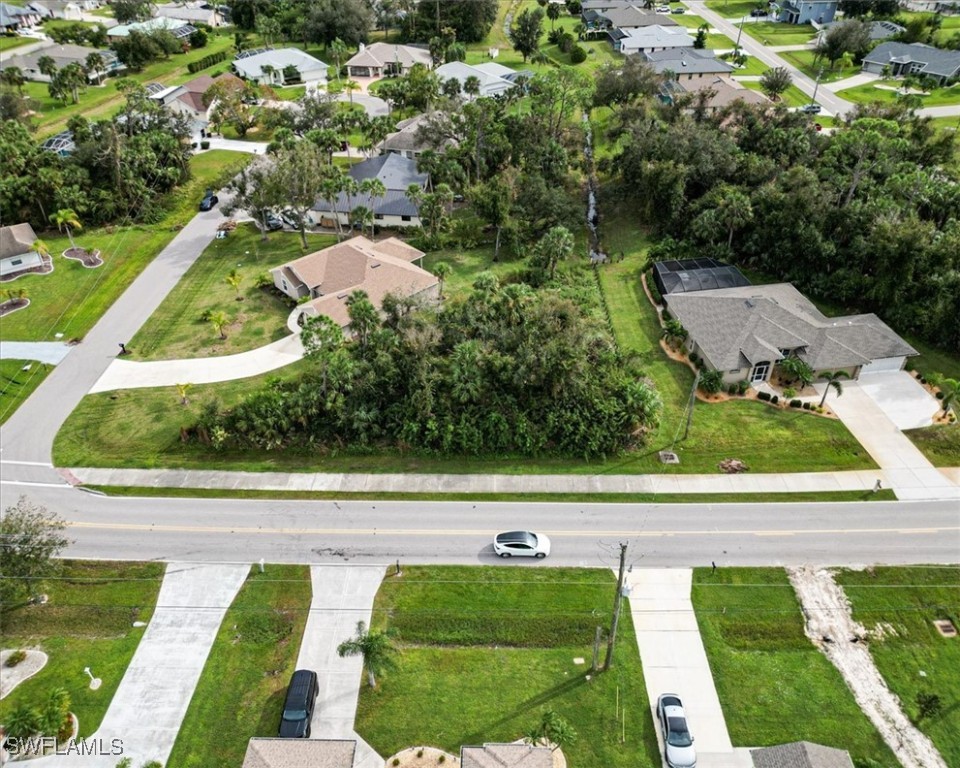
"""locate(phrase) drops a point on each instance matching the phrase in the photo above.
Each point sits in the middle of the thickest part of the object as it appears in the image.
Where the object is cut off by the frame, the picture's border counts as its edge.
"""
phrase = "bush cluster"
(765, 396)
(206, 61)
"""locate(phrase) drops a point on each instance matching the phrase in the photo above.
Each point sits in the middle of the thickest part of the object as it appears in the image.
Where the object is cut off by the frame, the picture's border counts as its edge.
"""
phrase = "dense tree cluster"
(119, 169)
(505, 370)
(867, 218)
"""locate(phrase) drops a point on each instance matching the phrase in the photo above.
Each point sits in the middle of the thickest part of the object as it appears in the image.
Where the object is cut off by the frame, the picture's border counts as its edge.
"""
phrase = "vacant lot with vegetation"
(775, 33)
(940, 443)
(485, 651)
(18, 379)
(889, 91)
(900, 605)
(88, 621)
(72, 298)
(240, 693)
(774, 685)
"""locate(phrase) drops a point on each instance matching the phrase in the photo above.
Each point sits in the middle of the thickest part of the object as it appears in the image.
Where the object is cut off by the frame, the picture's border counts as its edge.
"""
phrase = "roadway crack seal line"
(473, 532)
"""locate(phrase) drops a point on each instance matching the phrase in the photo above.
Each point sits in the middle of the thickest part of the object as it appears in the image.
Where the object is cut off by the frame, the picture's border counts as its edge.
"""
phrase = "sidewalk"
(342, 596)
(128, 374)
(51, 352)
(849, 82)
(675, 661)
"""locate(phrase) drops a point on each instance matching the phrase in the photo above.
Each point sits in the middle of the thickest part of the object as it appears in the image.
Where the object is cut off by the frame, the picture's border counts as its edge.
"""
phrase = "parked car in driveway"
(811, 109)
(298, 705)
(679, 10)
(290, 218)
(521, 544)
(677, 741)
(272, 222)
(209, 200)
(757, 12)
(663, 9)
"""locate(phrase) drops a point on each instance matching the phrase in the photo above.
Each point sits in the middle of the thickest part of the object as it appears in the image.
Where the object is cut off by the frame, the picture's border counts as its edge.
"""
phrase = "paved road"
(671, 535)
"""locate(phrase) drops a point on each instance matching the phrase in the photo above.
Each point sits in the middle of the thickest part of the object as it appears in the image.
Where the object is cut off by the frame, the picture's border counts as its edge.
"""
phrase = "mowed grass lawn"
(17, 384)
(768, 439)
(913, 657)
(774, 685)
(792, 97)
(940, 443)
(732, 9)
(870, 92)
(72, 298)
(778, 33)
(176, 329)
(9, 42)
(241, 690)
(806, 62)
(88, 622)
(485, 651)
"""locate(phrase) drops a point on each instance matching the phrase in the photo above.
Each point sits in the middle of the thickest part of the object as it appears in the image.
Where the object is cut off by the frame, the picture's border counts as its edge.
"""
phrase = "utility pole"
(617, 602)
(736, 47)
(816, 87)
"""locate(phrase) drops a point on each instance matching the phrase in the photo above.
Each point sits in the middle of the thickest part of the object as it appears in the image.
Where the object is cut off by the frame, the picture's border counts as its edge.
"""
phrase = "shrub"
(711, 382)
(694, 358)
(775, 399)
(789, 393)
(818, 409)
(765, 396)
(206, 61)
(396, 761)
(566, 42)
(420, 752)
(204, 145)
(206, 315)
(732, 389)
(652, 287)
(742, 386)
(442, 759)
(795, 403)
(807, 406)
(554, 36)
(15, 658)
(578, 55)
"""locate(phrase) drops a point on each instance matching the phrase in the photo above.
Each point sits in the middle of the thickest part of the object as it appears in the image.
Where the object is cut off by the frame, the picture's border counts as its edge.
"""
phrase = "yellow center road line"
(486, 532)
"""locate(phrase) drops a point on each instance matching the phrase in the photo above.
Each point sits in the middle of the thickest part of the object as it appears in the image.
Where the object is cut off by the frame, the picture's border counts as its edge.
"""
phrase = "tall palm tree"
(833, 380)
(376, 648)
(338, 49)
(94, 65)
(377, 190)
(442, 271)
(67, 219)
(41, 247)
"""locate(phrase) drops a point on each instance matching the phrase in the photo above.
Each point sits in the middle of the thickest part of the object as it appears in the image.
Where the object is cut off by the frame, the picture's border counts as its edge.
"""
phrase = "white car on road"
(521, 544)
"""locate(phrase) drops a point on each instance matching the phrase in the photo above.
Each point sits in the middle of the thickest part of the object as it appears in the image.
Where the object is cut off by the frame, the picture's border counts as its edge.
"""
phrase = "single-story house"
(800, 754)
(299, 753)
(57, 9)
(386, 59)
(280, 66)
(687, 63)
(913, 59)
(187, 99)
(655, 38)
(407, 140)
(13, 17)
(808, 11)
(631, 17)
(329, 276)
(745, 331)
(62, 55)
(506, 756)
(195, 13)
(718, 92)
(394, 209)
(605, 5)
(489, 75)
(179, 28)
(879, 30)
(17, 253)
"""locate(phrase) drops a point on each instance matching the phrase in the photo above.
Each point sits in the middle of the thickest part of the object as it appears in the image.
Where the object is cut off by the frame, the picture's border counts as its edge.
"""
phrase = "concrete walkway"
(342, 596)
(128, 374)
(51, 352)
(675, 661)
(149, 706)
(905, 468)
(850, 82)
(485, 483)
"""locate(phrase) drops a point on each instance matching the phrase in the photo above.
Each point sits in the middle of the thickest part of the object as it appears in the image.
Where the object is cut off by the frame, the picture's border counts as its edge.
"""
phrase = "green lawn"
(176, 330)
(752, 67)
(688, 20)
(240, 693)
(869, 92)
(792, 97)
(914, 657)
(87, 622)
(16, 384)
(774, 685)
(732, 9)
(485, 651)
(777, 33)
(72, 298)
(940, 444)
(805, 62)
(9, 42)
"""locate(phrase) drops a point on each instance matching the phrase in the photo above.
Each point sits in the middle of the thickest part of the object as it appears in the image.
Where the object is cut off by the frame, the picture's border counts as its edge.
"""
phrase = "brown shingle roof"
(506, 756)
(16, 240)
(800, 754)
(299, 753)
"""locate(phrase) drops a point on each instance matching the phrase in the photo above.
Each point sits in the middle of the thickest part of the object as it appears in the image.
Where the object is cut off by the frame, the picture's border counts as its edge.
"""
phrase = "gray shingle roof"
(936, 61)
(686, 61)
(800, 754)
(16, 240)
(396, 172)
(755, 322)
(506, 756)
(631, 16)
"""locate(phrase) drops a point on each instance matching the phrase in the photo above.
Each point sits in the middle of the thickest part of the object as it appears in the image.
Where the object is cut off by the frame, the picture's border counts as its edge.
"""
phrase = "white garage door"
(883, 365)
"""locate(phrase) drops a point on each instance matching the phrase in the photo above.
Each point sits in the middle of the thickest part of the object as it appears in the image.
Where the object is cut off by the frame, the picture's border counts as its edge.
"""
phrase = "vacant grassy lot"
(870, 92)
(732, 9)
(913, 657)
(240, 693)
(72, 298)
(486, 650)
(777, 33)
(9, 42)
(774, 685)
(805, 62)
(940, 444)
(87, 622)
(752, 67)
(176, 329)
(792, 97)
(16, 384)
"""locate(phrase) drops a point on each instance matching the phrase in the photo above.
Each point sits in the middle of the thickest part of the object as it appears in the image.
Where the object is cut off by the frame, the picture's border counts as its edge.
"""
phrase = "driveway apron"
(342, 596)
(674, 661)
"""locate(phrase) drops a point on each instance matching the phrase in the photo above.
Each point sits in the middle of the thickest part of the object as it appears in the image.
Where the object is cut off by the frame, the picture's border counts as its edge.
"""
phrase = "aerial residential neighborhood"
(480, 383)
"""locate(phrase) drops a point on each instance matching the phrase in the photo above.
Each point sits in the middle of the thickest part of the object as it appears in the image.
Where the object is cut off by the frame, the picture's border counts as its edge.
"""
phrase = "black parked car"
(209, 200)
(272, 222)
(298, 706)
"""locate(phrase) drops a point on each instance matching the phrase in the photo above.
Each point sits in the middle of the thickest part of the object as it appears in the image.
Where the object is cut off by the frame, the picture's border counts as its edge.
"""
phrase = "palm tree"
(94, 65)
(16, 295)
(182, 392)
(41, 247)
(555, 246)
(471, 86)
(674, 332)
(833, 380)
(350, 86)
(553, 13)
(376, 648)
(65, 219)
(377, 190)
(442, 271)
(360, 216)
(553, 731)
(269, 70)
(219, 321)
(47, 66)
(13, 76)
(338, 49)
(235, 280)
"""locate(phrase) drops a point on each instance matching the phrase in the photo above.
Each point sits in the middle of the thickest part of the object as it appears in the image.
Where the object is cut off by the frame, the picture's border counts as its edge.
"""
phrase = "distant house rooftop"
(179, 28)
(800, 754)
(915, 59)
(299, 753)
(687, 61)
(506, 756)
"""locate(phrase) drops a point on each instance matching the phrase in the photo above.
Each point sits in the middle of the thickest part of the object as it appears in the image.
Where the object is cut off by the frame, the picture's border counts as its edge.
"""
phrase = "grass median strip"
(486, 650)
(774, 685)
(240, 693)
(18, 379)
(87, 621)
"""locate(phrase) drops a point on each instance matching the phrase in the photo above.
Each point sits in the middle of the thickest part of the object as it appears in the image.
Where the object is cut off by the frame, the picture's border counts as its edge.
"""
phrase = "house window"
(283, 282)
(405, 218)
(378, 216)
(16, 262)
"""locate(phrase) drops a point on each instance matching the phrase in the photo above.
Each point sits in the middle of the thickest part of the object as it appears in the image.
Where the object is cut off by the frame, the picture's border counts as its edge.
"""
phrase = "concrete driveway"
(900, 396)
(342, 596)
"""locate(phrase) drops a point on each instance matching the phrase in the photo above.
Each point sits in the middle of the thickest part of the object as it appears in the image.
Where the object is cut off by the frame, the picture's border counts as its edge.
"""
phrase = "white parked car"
(521, 544)
(663, 9)
(677, 741)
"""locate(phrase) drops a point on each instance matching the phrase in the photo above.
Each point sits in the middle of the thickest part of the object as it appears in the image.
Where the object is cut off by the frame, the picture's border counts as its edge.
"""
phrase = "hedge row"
(206, 61)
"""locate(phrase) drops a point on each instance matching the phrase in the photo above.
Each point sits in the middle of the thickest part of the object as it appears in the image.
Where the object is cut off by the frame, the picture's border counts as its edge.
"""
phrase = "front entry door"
(760, 372)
